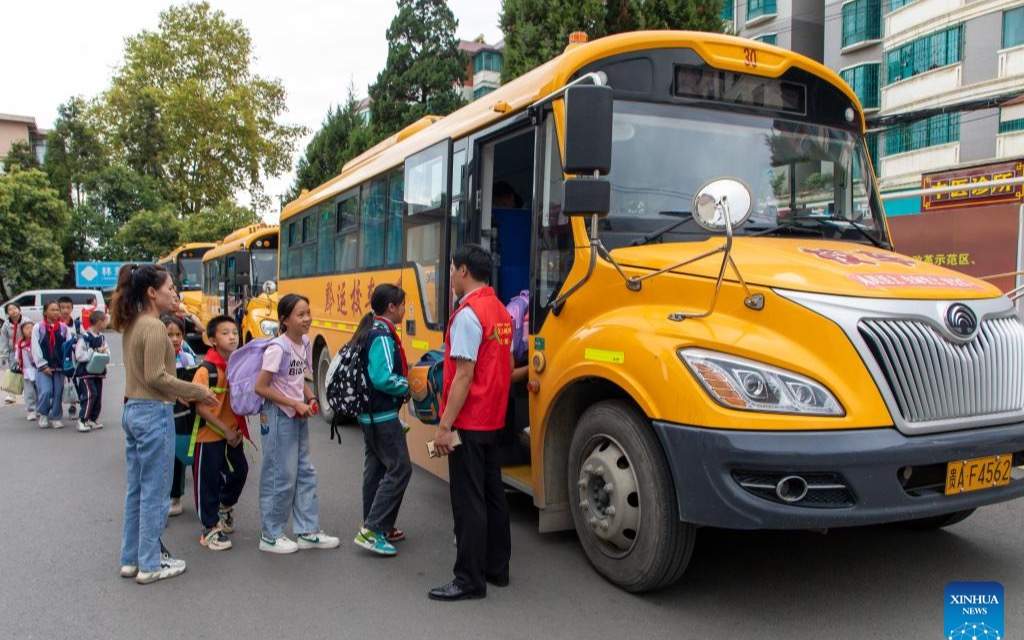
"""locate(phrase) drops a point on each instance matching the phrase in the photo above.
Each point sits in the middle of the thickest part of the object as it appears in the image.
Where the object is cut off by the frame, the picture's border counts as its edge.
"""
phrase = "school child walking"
(10, 333)
(287, 477)
(386, 468)
(47, 350)
(219, 467)
(89, 379)
(184, 363)
(74, 329)
(28, 368)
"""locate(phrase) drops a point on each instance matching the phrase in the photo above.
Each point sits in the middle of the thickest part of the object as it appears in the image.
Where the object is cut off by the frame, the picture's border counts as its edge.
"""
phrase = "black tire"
(661, 545)
(938, 522)
(323, 362)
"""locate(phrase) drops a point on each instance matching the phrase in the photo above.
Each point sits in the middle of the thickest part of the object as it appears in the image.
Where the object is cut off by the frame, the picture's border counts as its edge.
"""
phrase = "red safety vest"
(488, 394)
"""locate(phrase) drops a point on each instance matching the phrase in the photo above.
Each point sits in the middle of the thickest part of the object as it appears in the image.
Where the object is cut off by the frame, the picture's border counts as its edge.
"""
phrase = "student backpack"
(348, 386)
(244, 368)
(427, 377)
(68, 364)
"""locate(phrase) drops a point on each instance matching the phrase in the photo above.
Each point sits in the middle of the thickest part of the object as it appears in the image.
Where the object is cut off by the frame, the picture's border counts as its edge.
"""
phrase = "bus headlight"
(738, 383)
(269, 328)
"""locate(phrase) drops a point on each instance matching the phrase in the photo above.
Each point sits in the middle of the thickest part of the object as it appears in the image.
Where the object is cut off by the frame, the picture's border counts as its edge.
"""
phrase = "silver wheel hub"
(608, 495)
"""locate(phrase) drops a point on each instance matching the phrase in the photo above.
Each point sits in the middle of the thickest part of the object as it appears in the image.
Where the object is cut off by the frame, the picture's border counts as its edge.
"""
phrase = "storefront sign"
(977, 188)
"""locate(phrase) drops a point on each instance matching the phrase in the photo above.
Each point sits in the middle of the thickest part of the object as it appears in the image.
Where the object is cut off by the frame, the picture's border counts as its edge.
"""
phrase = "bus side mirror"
(588, 129)
(243, 273)
(588, 149)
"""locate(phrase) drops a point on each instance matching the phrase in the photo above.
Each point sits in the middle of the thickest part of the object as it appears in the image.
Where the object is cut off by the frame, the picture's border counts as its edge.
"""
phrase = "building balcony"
(487, 77)
(920, 160)
(924, 86)
(917, 13)
(1011, 62)
(1010, 145)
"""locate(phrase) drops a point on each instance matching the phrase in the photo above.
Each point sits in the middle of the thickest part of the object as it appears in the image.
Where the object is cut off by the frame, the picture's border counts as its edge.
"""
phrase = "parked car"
(31, 302)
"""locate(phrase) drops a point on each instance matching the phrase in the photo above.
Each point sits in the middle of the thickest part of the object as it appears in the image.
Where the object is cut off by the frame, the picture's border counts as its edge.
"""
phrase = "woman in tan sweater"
(151, 386)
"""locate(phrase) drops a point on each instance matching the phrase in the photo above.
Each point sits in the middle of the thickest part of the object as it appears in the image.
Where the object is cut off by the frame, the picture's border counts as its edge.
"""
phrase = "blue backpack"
(428, 375)
(68, 364)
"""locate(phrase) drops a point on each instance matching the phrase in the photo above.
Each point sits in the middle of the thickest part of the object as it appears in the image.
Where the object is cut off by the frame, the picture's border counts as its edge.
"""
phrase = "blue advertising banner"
(96, 275)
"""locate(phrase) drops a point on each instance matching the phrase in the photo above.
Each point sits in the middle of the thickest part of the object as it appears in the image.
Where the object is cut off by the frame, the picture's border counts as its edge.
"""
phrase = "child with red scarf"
(387, 468)
(219, 467)
(47, 345)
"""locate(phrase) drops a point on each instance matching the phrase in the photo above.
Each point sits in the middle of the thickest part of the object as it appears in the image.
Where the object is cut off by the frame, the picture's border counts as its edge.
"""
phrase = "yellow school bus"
(239, 280)
(719, 330)
(185, 263)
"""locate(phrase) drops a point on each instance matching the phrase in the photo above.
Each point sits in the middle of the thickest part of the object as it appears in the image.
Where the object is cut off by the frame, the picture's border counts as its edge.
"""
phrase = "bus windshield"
(191, 273)
(264, 266)
(806, 180)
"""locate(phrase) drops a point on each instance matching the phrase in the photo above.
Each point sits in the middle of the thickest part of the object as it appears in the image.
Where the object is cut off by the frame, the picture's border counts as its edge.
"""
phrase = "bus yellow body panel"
(260, 307)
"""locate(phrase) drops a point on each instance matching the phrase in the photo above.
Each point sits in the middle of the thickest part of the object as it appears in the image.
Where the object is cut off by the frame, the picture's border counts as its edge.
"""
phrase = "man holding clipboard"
(477, 373)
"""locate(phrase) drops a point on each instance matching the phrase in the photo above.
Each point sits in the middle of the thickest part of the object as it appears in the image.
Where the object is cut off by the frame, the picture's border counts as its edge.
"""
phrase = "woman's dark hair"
(169, 319)
(477, 261)
(133, 282)
(285, 307)
(383, 296)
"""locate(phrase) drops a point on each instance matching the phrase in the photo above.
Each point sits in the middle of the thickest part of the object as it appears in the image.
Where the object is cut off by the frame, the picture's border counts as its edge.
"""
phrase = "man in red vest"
(477, 373)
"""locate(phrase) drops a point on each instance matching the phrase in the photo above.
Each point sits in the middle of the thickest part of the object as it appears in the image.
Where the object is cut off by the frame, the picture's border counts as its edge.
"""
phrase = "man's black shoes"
(452, 592)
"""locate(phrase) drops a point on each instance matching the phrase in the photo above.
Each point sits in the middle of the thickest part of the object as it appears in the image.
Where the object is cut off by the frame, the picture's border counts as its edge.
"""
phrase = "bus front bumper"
(728, 479)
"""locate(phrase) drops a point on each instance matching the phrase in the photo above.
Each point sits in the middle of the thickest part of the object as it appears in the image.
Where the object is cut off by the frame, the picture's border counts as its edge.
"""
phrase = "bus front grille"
(933, 379)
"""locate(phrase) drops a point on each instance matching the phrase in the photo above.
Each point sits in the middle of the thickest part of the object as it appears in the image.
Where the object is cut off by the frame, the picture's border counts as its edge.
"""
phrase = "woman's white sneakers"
(281, 544)
(169, 568)
(318, 540)
(83, 427)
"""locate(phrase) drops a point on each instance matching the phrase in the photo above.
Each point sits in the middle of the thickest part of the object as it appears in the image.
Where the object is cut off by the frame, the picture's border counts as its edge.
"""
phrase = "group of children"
(59, 360)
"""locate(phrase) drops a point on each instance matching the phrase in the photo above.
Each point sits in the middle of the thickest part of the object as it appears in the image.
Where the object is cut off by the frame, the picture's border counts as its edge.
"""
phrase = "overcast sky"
(315, 47)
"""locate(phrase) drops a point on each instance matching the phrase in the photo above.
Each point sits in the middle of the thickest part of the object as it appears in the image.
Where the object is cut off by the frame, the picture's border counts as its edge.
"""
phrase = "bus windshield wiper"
(825, 221)
(684, 217)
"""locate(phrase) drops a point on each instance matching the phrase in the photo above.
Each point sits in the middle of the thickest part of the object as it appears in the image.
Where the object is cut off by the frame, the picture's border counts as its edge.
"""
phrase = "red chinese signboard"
(977, 188)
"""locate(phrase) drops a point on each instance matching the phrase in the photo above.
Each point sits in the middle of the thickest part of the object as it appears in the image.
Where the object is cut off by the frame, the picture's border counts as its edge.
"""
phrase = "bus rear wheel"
(323, 362)
(623, 502)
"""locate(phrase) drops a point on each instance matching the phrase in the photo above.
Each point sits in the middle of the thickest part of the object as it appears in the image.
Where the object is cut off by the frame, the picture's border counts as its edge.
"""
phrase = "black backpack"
(348, 386)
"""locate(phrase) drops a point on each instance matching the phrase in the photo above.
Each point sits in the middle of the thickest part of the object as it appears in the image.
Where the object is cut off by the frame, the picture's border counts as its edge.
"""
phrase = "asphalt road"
(60, 522)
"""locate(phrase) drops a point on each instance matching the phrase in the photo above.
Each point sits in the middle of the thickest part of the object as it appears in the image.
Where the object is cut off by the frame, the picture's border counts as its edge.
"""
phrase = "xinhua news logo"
(974, 611)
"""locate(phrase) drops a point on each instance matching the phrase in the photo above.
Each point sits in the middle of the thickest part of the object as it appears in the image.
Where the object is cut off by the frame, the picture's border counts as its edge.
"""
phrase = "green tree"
(538, 30)
(148, 235)
(33, 217)
(343, 135)
(119, 191)
(20, 156)
(424, 67)
(213, 223)
(186, 107)
(74, 151)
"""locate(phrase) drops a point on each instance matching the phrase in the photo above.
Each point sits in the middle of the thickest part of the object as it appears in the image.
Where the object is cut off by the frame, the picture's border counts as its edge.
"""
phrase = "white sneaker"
(44, 422)
(129, 571)
(283, 544)
(31, 416)
(96, 425)
(169, 567)
(56, 424)
(176, 507)
(9, 399)
(83, 427)
(318, 540)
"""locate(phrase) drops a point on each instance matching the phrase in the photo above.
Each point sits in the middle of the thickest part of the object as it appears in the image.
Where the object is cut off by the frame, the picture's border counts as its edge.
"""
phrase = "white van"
(31, 302)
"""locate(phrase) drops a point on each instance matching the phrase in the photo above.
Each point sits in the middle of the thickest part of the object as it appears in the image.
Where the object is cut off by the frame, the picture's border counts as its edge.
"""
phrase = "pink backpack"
(244, 367)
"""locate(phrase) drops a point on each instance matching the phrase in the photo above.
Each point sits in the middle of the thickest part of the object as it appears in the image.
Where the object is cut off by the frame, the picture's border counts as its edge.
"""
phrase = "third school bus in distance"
(185, 264)
(720, 332)
(239, 280)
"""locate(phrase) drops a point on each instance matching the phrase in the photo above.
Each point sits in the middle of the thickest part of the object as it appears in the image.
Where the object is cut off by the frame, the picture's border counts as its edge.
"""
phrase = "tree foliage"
(424, 67)
(185, 107)
(213, 223)
(148, 235)
(33, 218)
(74, 151)
(20, 156)
(538, 30)
(343, 135)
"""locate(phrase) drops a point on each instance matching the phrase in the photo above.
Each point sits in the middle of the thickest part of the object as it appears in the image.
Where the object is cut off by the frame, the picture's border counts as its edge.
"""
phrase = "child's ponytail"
(365, 324)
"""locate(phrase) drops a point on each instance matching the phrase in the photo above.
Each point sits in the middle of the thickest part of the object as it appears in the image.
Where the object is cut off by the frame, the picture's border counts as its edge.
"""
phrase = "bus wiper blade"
(855, 225)
(685, 216)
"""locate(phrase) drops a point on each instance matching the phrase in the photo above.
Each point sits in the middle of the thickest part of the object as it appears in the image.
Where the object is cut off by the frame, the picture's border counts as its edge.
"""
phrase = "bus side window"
(396, 211)
(373, 223)
(346, 242)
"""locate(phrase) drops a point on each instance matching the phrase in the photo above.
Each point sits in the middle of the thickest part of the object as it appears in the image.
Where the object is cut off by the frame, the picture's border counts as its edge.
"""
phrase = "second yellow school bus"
(185, 264)
(719, 331)
(239, 280)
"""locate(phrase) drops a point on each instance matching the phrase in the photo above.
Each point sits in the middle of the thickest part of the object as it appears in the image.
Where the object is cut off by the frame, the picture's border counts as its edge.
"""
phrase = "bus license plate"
(980, 473)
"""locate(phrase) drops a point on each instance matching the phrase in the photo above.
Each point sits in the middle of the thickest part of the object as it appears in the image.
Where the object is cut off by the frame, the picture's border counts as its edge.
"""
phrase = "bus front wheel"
(323, 362)
(623, 501)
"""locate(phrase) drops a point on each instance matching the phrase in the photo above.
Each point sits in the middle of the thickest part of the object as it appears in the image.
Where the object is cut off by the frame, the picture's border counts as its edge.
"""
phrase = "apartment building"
(21, 129)
(483, 69)
(937, 79)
